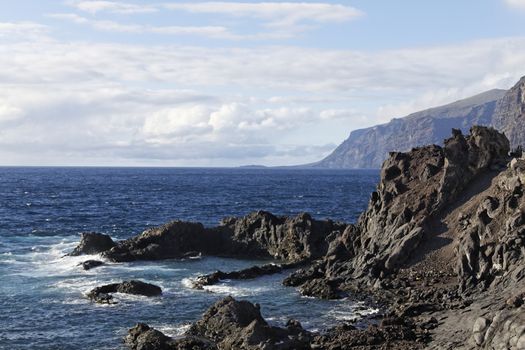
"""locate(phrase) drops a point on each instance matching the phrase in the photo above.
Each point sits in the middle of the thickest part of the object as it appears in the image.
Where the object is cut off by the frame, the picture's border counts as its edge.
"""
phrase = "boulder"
(103, 295)
(233, 324)
(143, 337)
(93, 243)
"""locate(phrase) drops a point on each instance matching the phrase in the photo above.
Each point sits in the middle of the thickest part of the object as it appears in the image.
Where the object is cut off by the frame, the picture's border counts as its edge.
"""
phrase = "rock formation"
(103, 295)
(259, 234)
(93, 243)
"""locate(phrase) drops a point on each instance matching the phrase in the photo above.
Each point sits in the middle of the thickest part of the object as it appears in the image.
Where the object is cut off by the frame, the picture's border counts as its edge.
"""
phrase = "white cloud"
(282, 20)
(112, 26)
(519, 4)
(9, 113)
(15, 30)
(111, 6)
(276, 13)
(197, 106)
(175, 124)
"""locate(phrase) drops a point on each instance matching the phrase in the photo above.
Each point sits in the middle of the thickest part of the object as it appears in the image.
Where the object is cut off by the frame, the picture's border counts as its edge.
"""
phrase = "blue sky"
(199, 83)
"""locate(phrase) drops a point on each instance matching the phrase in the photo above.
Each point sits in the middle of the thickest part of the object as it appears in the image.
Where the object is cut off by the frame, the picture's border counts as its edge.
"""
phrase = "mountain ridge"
(367, 148)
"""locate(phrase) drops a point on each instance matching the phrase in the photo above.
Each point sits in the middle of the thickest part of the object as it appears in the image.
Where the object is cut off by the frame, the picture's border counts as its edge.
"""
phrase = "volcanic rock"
(103, 294)
(93, 243)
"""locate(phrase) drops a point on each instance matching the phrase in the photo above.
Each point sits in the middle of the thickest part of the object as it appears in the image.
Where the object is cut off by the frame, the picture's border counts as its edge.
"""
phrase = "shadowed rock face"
(258, 234)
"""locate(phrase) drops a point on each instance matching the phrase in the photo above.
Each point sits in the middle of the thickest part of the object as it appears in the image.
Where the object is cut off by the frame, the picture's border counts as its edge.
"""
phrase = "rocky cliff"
(509, 115)
(368, 148)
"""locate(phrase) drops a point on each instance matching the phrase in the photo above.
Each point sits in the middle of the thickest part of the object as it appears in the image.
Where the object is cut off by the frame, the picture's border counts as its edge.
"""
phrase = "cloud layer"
(129, 102)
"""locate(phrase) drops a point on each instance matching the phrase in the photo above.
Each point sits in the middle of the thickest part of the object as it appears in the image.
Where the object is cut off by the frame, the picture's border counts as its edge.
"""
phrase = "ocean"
(44, 210)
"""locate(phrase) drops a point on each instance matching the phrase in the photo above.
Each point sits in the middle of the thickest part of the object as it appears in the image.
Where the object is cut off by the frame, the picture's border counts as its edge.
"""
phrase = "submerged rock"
(103, 294)
(249, 273)
(91, 264)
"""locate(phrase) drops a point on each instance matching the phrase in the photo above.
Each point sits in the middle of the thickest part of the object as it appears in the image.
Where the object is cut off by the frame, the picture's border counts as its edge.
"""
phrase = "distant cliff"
(368, 148)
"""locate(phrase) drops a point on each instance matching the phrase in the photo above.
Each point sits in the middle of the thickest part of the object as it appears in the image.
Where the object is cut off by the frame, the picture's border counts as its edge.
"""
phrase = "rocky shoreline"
(441, 247)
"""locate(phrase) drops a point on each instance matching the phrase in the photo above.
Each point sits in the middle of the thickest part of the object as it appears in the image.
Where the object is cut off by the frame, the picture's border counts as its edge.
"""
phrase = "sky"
(229, 83)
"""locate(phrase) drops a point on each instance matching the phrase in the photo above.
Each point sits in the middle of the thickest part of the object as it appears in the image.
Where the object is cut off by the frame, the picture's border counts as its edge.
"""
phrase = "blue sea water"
(44, 210)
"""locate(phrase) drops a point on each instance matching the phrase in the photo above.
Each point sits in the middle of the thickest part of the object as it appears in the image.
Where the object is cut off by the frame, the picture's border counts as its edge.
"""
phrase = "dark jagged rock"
(233, 324)
(399, 214)
(228, 324)
(170, 241)
(249, 273)
(103, 294)
(257, 235)
(93, 243)
(91, 264)
(293, 239)
(143, 337)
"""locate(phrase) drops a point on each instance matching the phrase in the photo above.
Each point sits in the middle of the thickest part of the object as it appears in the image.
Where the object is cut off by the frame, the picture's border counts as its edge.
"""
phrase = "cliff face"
(509, 116)
(368, 148)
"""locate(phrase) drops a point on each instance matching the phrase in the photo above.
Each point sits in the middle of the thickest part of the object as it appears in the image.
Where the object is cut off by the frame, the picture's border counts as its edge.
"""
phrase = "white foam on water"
(188, 282)
(123, 297)
(236, 291)
(174, 331)
(352, 313)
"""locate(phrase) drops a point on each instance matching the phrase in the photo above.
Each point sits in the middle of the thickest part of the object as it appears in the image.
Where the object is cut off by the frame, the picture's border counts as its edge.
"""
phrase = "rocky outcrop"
(103, 295)
(227, 325)
(93, 243)
(143, 337)
(257, 235)
(233, 324)
(174, 240)
(415, 187)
